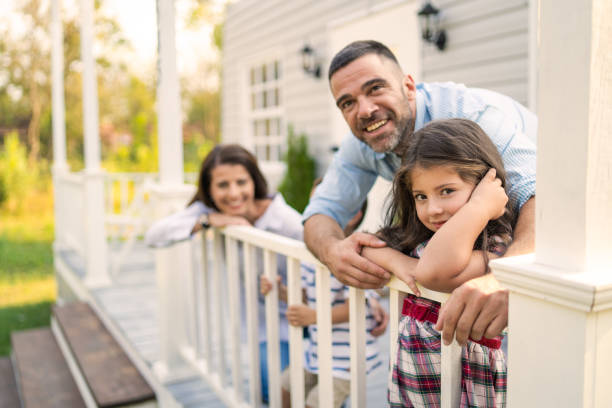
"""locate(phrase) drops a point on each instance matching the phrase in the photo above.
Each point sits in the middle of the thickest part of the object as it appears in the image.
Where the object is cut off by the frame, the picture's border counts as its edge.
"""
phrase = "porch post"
(168, 99)
(60, 166)
(170, 196)
(560, 327)
(96, 248)
(57, 74)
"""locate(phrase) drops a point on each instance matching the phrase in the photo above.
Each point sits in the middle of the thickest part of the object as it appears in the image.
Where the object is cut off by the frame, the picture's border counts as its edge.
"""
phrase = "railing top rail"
(268, 240)
(297, 249)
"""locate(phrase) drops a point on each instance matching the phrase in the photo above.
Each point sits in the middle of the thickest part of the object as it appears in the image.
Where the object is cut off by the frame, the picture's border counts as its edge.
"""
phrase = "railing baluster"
(296, 346)
(251, 285)
(357, 316)
(217, 298)
(324, 337)
(450, 381)
(273, 349)
(233, 284)
(204, 304)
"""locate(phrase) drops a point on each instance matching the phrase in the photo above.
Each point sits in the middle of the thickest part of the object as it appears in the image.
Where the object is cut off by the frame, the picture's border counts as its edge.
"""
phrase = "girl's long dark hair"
(462, 145)
(228, 154)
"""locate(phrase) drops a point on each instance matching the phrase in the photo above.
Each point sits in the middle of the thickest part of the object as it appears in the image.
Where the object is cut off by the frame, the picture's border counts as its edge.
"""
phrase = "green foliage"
(17, 176)
(300, 173)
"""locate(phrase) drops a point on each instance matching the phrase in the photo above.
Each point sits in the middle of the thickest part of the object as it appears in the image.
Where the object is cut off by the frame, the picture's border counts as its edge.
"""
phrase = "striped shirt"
(511, 127)
(340, 331)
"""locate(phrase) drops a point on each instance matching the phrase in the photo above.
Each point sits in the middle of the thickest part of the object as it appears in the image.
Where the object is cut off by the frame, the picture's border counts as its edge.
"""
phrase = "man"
(383, 107)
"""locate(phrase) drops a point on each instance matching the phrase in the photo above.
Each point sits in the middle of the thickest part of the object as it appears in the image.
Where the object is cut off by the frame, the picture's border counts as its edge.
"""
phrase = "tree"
(300, 173)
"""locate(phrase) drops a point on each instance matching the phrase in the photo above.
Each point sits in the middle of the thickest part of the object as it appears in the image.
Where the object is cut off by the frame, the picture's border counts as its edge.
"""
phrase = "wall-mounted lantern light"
(429, 19)
(310, 61)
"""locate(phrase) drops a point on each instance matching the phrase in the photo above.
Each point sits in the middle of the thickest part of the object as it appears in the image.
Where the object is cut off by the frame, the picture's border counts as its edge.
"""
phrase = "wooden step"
(110, 375)
(9, 397)
(43, 375)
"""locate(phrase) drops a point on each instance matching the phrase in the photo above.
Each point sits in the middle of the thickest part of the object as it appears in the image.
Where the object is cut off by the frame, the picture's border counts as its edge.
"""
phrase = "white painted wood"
(296, 345)
(60, 164)
(272, 339)
(324, 336)
(251, 284)
(97, 269)
(575, 198)
(205, 329)
(218, 297)
(566, 285)
(170, 131)
(450, 375)
(95, 240)
(90, 88)
(233, 284)
(357, 319)
(172, 266)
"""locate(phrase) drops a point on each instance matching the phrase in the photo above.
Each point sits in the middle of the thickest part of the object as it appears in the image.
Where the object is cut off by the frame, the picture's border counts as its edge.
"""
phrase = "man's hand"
(476, 309)
(344, 260)
(301, 315)
(380, 315)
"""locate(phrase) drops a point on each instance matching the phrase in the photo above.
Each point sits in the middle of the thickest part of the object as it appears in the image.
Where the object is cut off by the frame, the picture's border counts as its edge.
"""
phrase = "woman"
(233, 191)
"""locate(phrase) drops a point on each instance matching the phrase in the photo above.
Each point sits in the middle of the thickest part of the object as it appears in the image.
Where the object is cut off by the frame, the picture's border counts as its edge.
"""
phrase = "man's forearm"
(524, 232)
(319, 232)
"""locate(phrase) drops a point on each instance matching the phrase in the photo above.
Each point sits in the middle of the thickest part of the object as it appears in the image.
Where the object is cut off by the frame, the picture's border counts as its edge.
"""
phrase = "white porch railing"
(199, 331)
(70, 218)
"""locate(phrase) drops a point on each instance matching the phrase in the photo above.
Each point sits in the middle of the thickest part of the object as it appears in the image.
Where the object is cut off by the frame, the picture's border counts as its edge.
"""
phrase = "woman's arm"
(449, 259)
(175, 227)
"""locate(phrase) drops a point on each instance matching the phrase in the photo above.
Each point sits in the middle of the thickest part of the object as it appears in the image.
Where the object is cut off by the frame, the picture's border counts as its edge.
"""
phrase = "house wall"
(487, 46)
(255, 28)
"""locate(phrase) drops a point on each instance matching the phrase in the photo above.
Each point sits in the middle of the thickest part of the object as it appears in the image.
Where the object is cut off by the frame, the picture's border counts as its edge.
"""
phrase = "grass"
(27, 282)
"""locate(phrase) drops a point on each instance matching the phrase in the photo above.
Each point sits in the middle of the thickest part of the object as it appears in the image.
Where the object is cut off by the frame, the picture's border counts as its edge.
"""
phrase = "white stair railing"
(221, 345)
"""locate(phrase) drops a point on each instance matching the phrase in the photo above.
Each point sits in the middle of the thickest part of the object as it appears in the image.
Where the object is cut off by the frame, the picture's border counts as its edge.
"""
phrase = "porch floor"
(131, 303)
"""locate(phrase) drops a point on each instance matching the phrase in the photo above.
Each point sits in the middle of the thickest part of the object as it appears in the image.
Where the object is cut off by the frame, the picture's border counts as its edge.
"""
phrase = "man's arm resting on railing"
(342, 255)
(479, 307)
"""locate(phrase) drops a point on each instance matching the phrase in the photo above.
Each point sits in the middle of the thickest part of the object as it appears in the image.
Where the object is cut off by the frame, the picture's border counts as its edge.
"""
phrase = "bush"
(300, 174)
(17, 177)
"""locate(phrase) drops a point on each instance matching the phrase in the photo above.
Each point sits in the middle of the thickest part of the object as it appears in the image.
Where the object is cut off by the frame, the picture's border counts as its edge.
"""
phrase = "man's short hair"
(358, 49)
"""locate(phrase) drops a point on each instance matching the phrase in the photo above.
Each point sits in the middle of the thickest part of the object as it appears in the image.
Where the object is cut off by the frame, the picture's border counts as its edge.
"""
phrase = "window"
(266, 110)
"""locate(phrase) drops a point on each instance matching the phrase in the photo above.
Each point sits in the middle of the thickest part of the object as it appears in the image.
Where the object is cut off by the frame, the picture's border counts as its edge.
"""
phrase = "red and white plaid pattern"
(414, 380)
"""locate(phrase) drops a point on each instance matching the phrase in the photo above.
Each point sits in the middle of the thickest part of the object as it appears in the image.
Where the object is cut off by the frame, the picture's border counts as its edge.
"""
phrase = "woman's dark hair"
(356, 50)
(462, 145)
(231, 154)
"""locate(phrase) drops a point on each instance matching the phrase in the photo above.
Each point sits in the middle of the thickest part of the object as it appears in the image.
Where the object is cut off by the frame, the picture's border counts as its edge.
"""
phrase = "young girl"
(449, 215)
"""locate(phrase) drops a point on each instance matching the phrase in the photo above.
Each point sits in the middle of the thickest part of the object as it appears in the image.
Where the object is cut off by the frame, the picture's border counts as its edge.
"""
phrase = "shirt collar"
(420, 108)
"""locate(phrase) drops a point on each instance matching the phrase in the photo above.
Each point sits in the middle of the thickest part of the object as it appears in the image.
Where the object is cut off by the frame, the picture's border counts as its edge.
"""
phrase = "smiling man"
(383, 108)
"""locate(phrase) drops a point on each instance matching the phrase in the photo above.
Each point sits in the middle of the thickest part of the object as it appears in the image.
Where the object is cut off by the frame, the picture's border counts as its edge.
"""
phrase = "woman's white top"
(279, 218)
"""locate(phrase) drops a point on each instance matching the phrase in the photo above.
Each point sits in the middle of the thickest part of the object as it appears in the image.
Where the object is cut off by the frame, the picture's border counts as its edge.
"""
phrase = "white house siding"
(487, 46)
(256, 27)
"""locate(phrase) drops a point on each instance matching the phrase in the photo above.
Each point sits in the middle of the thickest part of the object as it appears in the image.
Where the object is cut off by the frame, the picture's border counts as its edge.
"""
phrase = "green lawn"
(27, 283)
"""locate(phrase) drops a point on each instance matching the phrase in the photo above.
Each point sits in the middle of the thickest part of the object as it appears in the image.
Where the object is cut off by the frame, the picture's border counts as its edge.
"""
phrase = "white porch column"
(170, 137)
(96, 248)
(560, 327)
(57, 74)
(60, 166)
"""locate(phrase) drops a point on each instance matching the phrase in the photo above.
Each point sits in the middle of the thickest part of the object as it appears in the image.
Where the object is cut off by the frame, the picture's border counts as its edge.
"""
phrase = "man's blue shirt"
(511, 127)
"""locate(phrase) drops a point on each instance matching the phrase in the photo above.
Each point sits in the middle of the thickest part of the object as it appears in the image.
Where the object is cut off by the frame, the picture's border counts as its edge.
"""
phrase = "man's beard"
(399, 139)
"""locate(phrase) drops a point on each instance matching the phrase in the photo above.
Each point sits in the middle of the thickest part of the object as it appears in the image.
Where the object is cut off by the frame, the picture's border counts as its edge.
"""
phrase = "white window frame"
(267, 144)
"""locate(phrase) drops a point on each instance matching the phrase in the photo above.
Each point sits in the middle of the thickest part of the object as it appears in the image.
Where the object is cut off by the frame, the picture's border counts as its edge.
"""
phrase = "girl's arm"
(394, 261)
(449, 259)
